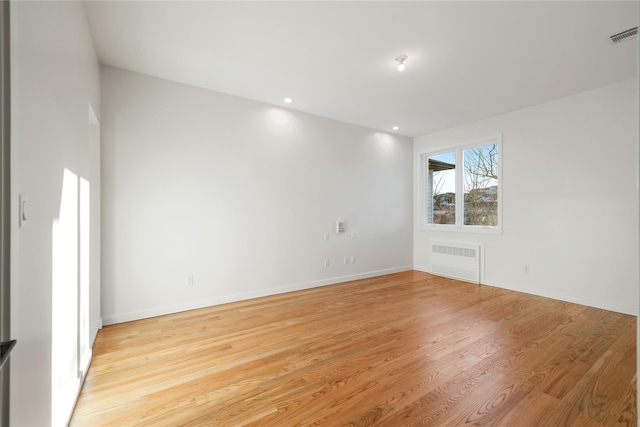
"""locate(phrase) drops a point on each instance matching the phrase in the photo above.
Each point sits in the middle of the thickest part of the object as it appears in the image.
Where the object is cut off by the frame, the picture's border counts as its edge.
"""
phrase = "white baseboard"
(223, 299)
(576, 299)
(159, 311)
(630, 308)
(93, 330)
(84, 371)
(422, 268)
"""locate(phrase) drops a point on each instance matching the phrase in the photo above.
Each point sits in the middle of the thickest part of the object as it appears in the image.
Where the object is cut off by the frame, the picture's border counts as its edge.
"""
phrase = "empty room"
(327, 213)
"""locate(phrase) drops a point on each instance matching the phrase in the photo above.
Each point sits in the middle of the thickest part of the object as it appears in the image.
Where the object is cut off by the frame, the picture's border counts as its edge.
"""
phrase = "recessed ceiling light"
(395, 128)
(400, 60)
(288, 100)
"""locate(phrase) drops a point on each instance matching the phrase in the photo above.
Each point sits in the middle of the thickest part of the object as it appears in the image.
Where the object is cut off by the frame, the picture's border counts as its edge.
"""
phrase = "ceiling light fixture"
(288, 100)
(400, 60)
(395, 128)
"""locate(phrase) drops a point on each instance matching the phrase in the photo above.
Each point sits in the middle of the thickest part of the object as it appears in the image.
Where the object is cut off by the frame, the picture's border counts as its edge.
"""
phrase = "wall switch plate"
(341, 226)
(22, 211)
(353, 259)
(346, 260)
(326, 235)
(326, 262)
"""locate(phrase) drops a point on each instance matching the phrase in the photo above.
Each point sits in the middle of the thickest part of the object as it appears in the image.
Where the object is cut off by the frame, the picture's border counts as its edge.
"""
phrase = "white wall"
(239, 194)
(570, 198)
(55, 78)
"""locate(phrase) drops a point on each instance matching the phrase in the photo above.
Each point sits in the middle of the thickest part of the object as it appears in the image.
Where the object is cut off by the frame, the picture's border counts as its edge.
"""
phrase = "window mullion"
(459, 188)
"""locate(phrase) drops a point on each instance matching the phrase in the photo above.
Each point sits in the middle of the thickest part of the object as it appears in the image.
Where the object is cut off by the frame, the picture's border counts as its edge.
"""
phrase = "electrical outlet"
(346, 260)
(527, 268)
(326, 235)
(353, 259)
(189, 280)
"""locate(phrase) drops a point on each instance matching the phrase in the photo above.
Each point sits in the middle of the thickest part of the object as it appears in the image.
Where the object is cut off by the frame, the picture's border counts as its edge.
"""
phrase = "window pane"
(441, 189)
(481, 185)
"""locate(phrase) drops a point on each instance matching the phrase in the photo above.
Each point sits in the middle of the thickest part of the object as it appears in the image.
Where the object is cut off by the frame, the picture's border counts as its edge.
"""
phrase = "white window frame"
(459, 225)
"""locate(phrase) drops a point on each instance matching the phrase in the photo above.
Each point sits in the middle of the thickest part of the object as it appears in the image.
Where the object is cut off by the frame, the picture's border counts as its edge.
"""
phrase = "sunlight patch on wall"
(64, 322)
(83, 309)
(70, 334)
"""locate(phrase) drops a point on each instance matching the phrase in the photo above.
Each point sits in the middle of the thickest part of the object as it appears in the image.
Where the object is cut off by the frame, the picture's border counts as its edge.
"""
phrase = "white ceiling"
(467, 60)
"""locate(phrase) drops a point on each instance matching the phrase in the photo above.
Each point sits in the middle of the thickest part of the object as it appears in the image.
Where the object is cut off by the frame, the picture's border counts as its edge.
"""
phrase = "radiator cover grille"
(456, 259)
(625, 35)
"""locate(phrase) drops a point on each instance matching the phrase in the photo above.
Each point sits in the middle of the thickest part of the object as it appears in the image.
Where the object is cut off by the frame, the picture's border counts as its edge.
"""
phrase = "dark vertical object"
(5, 213)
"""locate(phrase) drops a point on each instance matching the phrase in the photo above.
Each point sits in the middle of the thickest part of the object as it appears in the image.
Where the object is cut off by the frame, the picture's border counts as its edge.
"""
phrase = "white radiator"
(456, 259)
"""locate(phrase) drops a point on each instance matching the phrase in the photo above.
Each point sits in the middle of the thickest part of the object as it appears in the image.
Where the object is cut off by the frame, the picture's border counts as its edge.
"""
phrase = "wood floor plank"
(403, 349)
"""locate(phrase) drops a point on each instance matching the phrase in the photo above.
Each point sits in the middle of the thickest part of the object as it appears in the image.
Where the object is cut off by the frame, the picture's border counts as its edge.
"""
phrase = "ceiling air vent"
(625, 35)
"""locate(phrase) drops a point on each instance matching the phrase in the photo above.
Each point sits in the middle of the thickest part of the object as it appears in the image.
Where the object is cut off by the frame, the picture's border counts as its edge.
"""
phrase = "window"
(441, 188)
(461, 187)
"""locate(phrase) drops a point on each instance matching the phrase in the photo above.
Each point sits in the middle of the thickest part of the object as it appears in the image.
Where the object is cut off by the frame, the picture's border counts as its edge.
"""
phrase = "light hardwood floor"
(403, 349)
